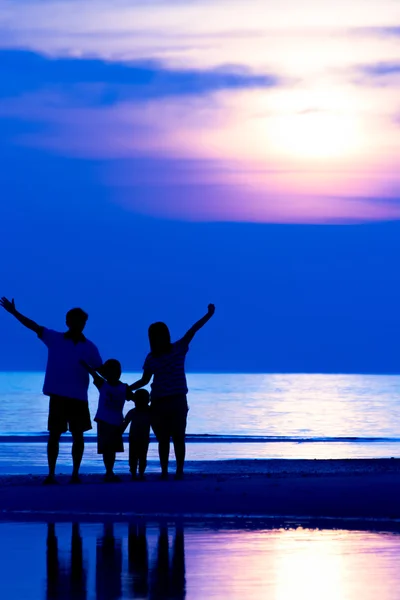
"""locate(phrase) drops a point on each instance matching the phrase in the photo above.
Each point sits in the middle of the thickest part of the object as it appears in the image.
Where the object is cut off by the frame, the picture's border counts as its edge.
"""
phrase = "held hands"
(211, 309)
(9, 306)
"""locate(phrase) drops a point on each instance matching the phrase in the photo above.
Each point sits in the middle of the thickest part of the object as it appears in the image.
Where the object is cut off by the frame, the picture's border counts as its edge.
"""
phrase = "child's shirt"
(111, 402)
(140, 425)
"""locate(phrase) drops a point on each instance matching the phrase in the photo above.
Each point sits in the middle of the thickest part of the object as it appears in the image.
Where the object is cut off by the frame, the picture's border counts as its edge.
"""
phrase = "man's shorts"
(68, 414)
(169, 416)
(109, 438)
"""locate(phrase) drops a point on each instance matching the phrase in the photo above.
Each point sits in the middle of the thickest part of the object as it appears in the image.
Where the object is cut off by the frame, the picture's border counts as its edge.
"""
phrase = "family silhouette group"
(72, 358)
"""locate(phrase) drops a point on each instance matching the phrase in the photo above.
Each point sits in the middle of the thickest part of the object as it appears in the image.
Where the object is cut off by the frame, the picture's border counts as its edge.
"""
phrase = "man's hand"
(211, 309)
(9, 306)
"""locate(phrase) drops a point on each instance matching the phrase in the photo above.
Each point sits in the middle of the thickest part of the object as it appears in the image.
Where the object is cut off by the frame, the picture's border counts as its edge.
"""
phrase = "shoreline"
(366, 490)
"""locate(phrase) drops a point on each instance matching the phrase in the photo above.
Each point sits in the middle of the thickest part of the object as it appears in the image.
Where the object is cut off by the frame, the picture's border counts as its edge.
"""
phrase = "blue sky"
(161, 156)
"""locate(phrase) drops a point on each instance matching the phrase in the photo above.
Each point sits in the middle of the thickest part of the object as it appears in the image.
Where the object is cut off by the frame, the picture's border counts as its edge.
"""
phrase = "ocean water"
(44, 561)
(231, 416)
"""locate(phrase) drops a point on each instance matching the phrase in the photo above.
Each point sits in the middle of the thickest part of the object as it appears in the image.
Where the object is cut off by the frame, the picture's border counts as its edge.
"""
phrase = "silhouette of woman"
(169, 408)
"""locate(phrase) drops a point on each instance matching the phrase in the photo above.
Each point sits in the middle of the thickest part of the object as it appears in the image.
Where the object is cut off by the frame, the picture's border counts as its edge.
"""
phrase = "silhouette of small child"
(109, 416)
(139, 433)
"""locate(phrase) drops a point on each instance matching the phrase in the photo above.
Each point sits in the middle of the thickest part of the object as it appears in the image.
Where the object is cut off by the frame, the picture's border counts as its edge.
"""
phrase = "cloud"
(218, 203)
(207, 191)
(95, 82)
(382, 69)
(385, 32)
(380, 73)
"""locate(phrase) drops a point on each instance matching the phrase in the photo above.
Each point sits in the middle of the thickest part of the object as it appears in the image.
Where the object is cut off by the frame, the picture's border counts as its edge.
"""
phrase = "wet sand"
(337, 489)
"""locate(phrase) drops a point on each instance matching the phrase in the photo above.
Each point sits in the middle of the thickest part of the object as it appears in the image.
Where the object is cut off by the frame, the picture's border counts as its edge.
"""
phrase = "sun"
(314, 135)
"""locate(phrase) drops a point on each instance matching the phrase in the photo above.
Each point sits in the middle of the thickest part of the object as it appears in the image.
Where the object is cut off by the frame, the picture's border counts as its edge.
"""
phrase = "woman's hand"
(8, 305)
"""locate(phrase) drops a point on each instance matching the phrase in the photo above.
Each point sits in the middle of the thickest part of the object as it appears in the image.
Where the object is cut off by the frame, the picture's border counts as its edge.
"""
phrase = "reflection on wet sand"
(108, 565)
(167, 578)
(138, 560)
(65, 578)
(162, 576)
(158, 561)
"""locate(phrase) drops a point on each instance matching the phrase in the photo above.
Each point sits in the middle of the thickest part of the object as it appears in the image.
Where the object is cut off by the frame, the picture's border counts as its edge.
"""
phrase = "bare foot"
(75, 479)
(111, 478)
(50, 480)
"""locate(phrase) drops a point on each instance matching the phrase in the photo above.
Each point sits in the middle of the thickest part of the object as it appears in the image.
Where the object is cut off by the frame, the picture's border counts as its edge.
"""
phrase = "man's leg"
(56, 425)
(78, 446)
(53, 445)
(78, 418)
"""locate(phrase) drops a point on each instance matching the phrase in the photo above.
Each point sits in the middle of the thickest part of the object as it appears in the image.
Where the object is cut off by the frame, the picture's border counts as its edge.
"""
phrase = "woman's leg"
(163, 453)
(161, 427)
(109, 461)
(179, 434)
(180, 453)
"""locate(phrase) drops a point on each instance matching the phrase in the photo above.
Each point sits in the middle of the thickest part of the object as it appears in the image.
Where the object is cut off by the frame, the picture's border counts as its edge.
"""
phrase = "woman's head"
(159, 338)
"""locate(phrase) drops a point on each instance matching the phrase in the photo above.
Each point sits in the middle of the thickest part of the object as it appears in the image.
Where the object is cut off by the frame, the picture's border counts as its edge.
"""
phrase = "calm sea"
(232, 416)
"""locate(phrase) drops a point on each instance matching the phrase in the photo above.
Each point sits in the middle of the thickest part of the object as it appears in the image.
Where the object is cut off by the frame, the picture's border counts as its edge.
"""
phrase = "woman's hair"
(159, 338)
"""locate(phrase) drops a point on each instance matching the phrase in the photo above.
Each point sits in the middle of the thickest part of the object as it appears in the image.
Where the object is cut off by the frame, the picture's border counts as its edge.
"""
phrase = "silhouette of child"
(109, 416)
(139, 432)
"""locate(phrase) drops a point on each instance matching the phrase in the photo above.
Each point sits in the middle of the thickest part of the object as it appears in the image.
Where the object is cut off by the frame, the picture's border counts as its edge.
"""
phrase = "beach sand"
(336, 489)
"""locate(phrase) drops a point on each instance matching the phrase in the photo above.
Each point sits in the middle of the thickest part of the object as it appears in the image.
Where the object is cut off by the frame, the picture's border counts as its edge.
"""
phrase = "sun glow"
(315, 135)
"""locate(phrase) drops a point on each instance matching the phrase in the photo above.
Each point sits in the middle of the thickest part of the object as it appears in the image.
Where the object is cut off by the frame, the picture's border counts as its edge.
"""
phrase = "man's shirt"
(65, 376)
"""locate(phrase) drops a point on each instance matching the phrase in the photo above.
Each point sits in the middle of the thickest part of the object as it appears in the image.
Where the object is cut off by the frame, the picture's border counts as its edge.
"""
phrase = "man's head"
(76, 320)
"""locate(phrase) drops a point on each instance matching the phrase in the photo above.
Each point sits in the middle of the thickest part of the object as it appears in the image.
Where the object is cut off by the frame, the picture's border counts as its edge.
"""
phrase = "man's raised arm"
(9, 306)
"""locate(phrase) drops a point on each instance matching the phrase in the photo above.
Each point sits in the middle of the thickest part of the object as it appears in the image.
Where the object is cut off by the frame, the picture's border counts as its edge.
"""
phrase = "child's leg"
(133, 459)
(109, 461)
(143, 459)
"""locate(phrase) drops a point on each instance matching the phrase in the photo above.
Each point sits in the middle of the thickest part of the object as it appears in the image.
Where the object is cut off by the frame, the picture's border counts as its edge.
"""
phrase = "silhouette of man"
(66, 383)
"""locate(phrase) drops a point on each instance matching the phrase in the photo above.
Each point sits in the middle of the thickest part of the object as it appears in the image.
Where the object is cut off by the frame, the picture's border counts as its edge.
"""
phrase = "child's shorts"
(109, 438)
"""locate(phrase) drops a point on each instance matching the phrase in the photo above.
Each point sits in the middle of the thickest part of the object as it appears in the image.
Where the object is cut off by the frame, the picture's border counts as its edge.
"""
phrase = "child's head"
(142, 399)
(159, 338)
(111, 370)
